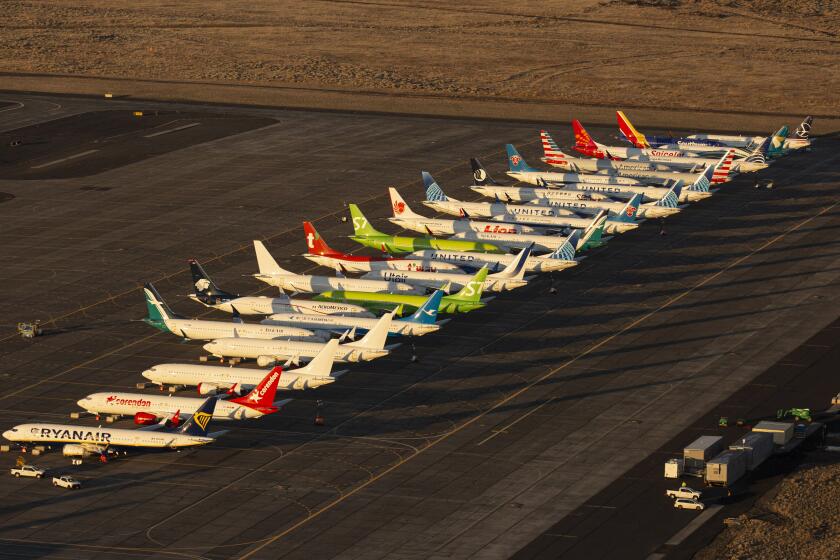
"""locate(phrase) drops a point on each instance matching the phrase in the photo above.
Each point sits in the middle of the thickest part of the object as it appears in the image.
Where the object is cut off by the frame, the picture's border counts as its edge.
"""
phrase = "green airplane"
(365, 234)
(468, 299)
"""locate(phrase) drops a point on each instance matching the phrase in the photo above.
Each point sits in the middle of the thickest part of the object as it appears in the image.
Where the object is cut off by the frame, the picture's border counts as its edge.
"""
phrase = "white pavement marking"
(695, 524)
(64, 159)
(186, 126)
(18, 103)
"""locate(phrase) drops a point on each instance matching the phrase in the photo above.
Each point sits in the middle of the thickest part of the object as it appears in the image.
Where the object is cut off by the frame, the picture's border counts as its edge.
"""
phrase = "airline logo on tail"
(803, 131)
(202, 419)
(433, 191)
(399, 207)
(630, 133)
(515, 159)
(553, 154)
(759, 155)
(723, 167)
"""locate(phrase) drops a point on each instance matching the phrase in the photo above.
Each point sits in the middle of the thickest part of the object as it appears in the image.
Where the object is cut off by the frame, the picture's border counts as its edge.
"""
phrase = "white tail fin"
(516, 269)
(399, 206)
(321, 364)
(265, 262)
(723, 168)
(376, 337)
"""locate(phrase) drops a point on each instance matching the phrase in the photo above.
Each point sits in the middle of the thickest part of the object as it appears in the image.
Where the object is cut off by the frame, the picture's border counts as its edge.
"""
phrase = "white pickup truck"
(28, 470)
(66, 481)
(684, 492)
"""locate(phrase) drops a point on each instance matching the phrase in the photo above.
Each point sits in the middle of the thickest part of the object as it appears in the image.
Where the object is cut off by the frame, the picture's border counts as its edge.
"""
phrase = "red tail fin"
(314, 243)
(553, 154)
(262, 396)
(723, 168)
(582, 137)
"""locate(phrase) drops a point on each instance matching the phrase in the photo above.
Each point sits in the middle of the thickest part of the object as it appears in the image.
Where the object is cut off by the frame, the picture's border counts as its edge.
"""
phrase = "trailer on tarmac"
(699, 451)
(726, 468)
(757, 446)
(782, 432)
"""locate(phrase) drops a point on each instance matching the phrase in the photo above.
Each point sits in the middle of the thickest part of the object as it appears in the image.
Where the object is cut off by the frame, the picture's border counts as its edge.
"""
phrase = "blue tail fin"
(759, 155)
(200, 420)
(629, 212)
(566, 251)
(515, 160)
(433, 191)
(426, 313)
(704, 181)
(672, 197)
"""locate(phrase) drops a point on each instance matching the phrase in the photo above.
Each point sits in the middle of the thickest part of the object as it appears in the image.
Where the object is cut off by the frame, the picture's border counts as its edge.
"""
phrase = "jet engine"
(207, 389)
(266, 361)
(144, 419)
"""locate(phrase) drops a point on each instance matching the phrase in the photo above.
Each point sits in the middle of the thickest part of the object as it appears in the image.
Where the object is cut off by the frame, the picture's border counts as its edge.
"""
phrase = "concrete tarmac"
(515, 416)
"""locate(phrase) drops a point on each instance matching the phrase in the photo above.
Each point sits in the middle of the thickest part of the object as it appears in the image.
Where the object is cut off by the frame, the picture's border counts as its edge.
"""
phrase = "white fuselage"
(129, 404)
(699, 164)
(352, 265)
(262, 305)
(563, 222)
(736, 141)
(316, 284)
(592, 207)
(493, 262)
(543, 178)
(624, 192)
(451, 227)
(515, 241)
(436, 280)
(101, 438)
(327, 323)
(197, 329)
(645, 173)
(493, 209)
(212, 378)
(281, 350)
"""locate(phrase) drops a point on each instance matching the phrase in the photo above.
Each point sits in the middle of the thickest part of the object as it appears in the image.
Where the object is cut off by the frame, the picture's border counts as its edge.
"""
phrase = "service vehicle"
(687, 503)
(684, 492)
(66, 481)
(28, 470)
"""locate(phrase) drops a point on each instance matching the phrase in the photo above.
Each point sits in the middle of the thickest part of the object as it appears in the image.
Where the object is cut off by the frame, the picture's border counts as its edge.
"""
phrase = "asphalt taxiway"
(514, 417)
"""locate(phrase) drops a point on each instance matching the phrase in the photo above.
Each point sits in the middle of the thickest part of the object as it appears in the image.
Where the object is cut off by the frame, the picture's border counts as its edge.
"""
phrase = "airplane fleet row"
(542, 223)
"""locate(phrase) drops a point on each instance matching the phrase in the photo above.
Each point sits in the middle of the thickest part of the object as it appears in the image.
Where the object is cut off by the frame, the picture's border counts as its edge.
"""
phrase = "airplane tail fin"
(472, 290)
(759, 154)
(777, 144)
(265, 262)
(515, 161)
(321, 365)
(426, 313)
(672, 197)
(704, 180)
(433, 191)
(158, 311)
(516, 269)
(593, 233)
(566, 251)
(376, 336)
(262, 396)
(553, 154)
(632, 135)
(314, 243)
(480, 175)
(583, 142)
(803, 131)
(200, 420)
(723, 168)
(630, 211)
(399, 206)
(361, 225)
(205, 288)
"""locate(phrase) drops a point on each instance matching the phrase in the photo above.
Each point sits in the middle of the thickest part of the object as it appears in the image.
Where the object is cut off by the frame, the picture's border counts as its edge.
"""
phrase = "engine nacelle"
(74, 450)
(145, 419)
(207, 389)
(266, 361)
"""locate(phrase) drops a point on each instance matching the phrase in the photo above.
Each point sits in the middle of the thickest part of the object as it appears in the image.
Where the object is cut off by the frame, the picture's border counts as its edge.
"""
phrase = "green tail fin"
(158, 311)
(361, 226)
(472, 291)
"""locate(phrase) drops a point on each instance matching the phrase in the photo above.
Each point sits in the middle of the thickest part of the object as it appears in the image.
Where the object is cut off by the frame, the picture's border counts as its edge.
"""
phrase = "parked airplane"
(801, 136)
(210, 380)
(365, 234)
(676, 158)
(420, 323)
(208, 293)
(161, 317)
(82, 441)
(624, 168)
(749, 141)
(268, 352)
(466, 300)
(151, 409)
(513, 276)
(592, 237)
(271, 273)
(562, 258)
(321, 253)
(639, 140)
(521, 171)
(406, 218)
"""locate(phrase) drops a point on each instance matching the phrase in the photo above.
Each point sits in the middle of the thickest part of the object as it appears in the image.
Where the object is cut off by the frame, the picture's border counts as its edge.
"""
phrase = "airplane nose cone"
(147, 374)
(81, 403)
(9, 435)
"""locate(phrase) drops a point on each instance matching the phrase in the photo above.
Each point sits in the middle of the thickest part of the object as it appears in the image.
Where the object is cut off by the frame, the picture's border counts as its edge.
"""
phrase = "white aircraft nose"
(147, 374)
(9, 435)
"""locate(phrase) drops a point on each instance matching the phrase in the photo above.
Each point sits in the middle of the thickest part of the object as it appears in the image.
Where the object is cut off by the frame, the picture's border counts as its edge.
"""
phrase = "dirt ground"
(800, 520)
(755, 56)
